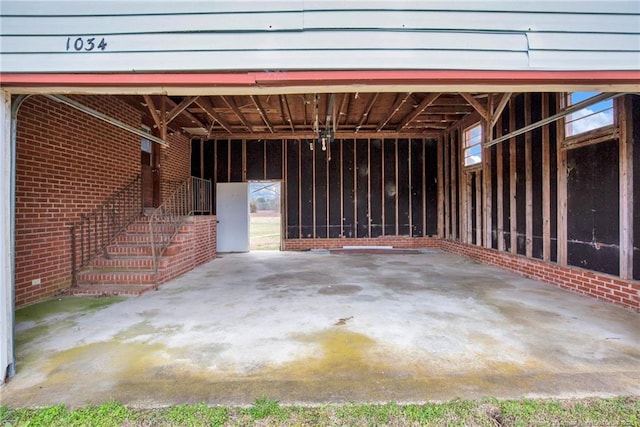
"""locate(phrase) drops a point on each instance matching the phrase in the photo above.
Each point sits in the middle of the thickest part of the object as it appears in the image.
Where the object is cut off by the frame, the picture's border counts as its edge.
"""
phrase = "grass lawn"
(264, 233)
(622, 411)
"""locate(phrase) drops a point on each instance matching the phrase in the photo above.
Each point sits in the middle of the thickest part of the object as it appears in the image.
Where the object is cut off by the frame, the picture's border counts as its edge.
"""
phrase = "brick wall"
(598, 285)
(67, 163)
(197, 246)
(404, 242)
(175, 164)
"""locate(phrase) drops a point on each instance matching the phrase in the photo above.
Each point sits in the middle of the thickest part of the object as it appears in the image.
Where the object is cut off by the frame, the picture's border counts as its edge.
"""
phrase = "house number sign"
(85, 44)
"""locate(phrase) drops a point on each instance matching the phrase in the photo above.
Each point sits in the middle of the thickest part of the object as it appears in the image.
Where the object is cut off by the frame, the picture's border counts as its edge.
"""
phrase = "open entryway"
(265, 223)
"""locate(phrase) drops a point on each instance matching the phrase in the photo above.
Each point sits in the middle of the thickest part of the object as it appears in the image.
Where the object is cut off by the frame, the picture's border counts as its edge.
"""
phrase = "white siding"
(146, 35)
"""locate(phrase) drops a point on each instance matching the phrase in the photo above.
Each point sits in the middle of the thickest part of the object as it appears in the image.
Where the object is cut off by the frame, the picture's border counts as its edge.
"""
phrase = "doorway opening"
(265, 225)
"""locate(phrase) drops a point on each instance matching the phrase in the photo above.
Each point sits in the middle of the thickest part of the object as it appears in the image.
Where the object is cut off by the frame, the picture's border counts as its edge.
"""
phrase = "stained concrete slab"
(314, 327)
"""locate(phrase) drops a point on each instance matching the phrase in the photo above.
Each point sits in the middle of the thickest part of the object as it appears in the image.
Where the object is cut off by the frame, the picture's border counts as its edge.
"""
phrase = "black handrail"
(98, 229)
(193, 196)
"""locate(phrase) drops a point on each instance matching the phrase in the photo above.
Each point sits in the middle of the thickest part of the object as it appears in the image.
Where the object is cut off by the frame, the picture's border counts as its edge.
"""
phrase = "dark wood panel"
(222, 160)
(321, 193)
(335, 193)
(636, 186)
(389, 153)
(553, 163)
(506, 181)
(403, 187)
(375, 177)
(274, 159)
(306, 191)
(196, 157)
(416, 190)
(362, 187)
(293, 189)
(521, 201)
(255, 159)
(536, 175)
(348, 224)
(494, 198)
(431, 166)
(236, 160)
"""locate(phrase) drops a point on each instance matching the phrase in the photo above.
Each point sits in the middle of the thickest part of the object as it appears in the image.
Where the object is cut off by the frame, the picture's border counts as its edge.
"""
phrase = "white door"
(232, 211)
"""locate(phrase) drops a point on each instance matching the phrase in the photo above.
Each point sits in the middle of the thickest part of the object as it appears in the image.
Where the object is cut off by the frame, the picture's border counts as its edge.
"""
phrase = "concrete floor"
(308, 327)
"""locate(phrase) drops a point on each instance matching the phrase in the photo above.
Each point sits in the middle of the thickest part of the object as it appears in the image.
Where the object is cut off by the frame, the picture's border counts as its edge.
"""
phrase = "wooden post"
(313, 189)
(546, 183)
(513, 174)
(528, 178)
(624, 109)
(454, 189)
(342, 187)
(562, 191)
(410, 168)
(447, 189)
(424, 188)
(440, 171)
(486, 180)
(478, 209)
(500, 198)
(368, 188)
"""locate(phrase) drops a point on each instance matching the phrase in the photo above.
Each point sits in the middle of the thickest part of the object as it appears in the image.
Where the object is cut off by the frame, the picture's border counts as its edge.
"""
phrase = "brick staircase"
(126, 268)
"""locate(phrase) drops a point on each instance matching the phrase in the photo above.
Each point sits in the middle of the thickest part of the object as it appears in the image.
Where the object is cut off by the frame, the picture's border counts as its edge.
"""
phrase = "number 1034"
(86, 44)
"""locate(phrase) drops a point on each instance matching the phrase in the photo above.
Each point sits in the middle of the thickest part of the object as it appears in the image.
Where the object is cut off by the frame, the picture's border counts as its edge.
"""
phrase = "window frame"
(593, 135)
(465, 147)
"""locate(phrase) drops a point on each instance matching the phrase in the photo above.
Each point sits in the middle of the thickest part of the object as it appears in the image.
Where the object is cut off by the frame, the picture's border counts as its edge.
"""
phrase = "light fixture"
(324, 136)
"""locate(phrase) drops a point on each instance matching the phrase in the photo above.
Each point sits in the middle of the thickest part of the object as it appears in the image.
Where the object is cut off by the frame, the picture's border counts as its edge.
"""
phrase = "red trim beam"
(319, 78)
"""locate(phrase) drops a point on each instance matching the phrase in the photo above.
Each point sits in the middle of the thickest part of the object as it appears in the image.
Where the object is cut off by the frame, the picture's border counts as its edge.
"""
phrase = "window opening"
(595, 116)
(473, 145)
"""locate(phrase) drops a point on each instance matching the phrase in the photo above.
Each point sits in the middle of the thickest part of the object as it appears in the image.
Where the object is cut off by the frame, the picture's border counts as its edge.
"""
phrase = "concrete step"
(116, 277)
(109, 290)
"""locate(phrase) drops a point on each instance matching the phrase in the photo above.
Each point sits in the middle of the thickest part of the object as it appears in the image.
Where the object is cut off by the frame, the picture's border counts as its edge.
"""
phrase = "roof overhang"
(284, 82)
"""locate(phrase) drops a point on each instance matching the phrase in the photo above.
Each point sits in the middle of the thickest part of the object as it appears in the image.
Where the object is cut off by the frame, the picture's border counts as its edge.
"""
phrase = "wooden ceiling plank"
(234, 107)
(394, 109)
(476, 105)
(367, 110)
(206, 104)
(261, 111)
(424, 104)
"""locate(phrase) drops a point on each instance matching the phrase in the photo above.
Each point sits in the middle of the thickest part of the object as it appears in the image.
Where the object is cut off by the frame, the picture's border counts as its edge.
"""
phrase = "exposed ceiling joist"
(178, 109)
(424, 104)
(481, 109)
(339, 135)
(152, 110)
(206, 104)
(499, 109)
(367, 110)
(400, 100)
(193, 119)
(232, 104)
(287, 109)
(262, 113)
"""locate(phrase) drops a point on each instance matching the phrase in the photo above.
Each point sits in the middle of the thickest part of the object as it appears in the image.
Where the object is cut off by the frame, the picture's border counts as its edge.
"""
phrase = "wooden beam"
(562, 178)
(625, 121)
(478, 208)
(187, 114)
(440, 172)
(206, 104)
(261, 111)
(486, 180)
(288, 110)
(528, 179)
(175, 112)
(500, 194)
(232, 104)
(163, 116)
(447, 188)
(546, 183)
(152, 110)
(367, 110)
(500, 108)
(513, 174)
(400, 100)
(343, 103)
(424, 104)
(476, 105)
(339, 135)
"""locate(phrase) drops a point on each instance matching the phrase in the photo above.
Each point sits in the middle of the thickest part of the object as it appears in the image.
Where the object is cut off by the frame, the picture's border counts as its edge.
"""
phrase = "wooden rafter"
(400, 100)
(424, 104)
(367, 110)
(175, 112)
(339, 135)
(261, 111)
(152, 110)
(206, 104)
(476, 105)
(499, 109)
(187, 114)
(285, 101)
(232, 104)
(343, 103)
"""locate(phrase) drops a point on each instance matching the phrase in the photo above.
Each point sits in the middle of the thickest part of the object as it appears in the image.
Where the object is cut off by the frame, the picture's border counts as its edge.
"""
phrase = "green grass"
(264, 233)
(622, 411)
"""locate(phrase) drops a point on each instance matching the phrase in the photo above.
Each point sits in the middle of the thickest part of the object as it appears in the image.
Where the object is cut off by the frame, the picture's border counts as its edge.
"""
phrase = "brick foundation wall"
(174, 164)
(404, 242)
(198, 245)
(67, 163)
(598, 285)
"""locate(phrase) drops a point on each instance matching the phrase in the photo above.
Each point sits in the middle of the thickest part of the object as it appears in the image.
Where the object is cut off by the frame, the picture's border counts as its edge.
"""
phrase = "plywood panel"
(348, 188)
(433, 187)
(390, 219)
(417, 192)
(255, 155)
(274, 159)
(403, 188)
(292, 183)
(375, 181)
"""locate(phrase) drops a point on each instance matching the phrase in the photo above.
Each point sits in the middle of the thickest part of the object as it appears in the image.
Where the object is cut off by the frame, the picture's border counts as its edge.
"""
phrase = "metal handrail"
(98, 229)
(193, 196)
